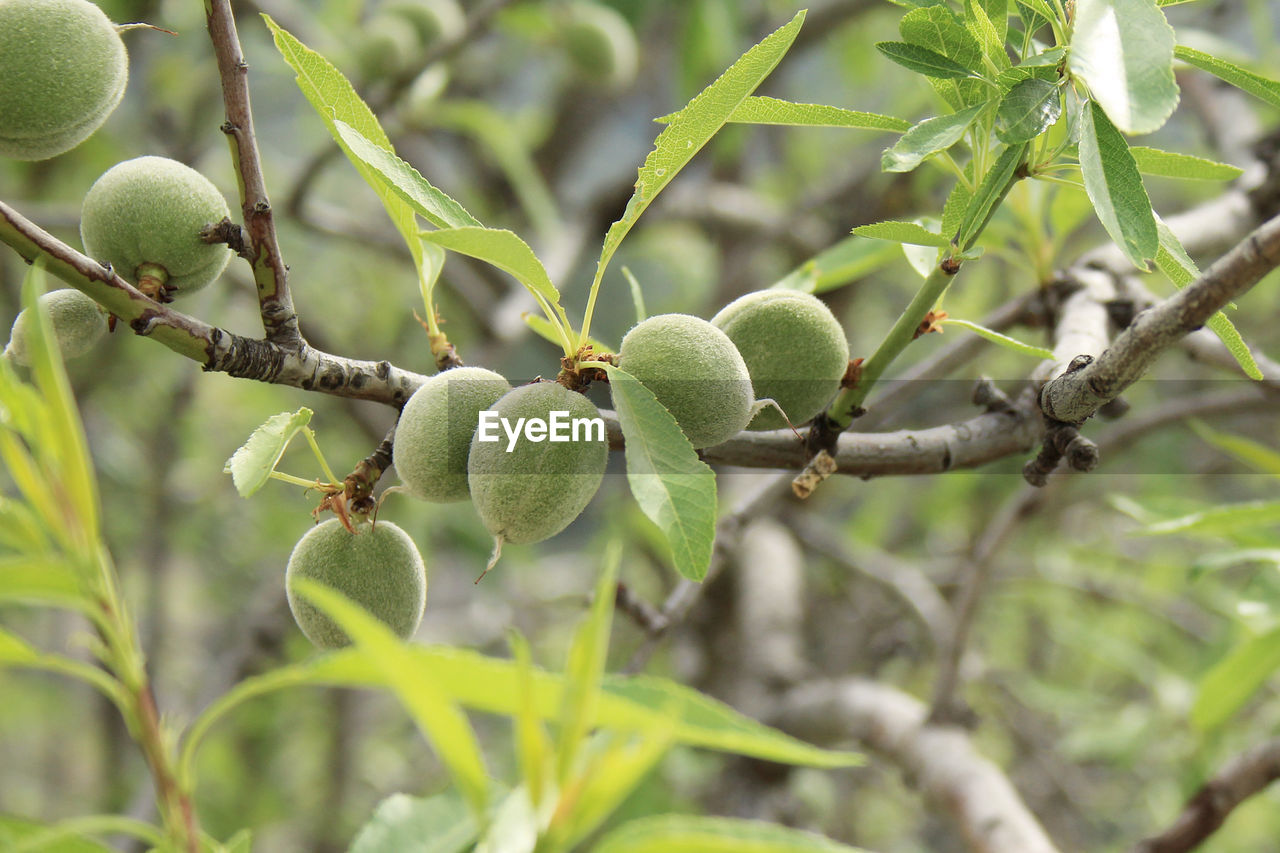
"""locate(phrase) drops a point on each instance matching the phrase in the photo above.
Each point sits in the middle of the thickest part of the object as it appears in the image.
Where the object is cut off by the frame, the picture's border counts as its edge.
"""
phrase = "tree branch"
(279, 321)
(1241, 778)
(940, 761)
(217, 350)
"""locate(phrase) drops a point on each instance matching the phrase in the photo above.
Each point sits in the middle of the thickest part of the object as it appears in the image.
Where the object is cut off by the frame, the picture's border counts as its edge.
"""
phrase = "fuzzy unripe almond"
(433, 437)
(378, 567)
(601, 44)
(64, 70)
(695, 372)
(144, 217)
(795, 350)
(78, 324)
(536, 490)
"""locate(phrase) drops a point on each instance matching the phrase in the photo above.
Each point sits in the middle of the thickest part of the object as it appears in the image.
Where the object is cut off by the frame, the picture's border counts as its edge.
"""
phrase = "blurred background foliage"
(1091, 641)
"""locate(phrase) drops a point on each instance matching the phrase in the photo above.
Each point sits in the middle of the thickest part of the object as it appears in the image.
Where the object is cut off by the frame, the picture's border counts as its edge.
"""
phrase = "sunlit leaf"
(405, 824)
(999, 339)
(435, 712)
(251, 465)
(691, 834)
(1260, 87)
(1123, 50)
(396, 176)
(902, 232)
(1229, 684)
(1167, 164)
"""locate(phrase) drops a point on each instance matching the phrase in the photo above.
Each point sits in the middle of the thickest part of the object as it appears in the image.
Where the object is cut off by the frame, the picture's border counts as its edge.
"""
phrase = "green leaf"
(924, 61)
(394, 175)
(1230, 683)
(585, 666)
(15, 652)
(997, 12)
(492, 685)
(994, 187)
(1246, 81)
(1028, 110)
(937, 28)
(1228, 559)
(334, 99)
(35, 579)
(542, 327)
(957, 202)
(846, 261)
(985, 31)
(1174, 262)
(928, 138)
(533, 748)
(1218, 520)
(1035, 13)
(690, 834)
(1114, 186)
(435, 712)
(404, 824)
(66, 482)
(1251, 453)
(691, 129)
(1001, 340)
(504, 250)
(15, 830)
(1123, 50)
(1048, 58)
(763, 110)
(251, 465)
(612, 773)
(902, 232)
(673, 487)
(1166, 164)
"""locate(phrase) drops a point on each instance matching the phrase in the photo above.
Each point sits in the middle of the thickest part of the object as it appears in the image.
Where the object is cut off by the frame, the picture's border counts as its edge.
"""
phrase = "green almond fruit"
(794, 348)
(529, 489)
(144, 217)
(433, 437)
(78, 324)
(695, 371)
(378, 567)
(63, 71)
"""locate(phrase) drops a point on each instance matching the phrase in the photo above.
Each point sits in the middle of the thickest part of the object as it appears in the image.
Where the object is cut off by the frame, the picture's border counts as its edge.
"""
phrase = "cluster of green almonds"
(783, 345)
(401, 32)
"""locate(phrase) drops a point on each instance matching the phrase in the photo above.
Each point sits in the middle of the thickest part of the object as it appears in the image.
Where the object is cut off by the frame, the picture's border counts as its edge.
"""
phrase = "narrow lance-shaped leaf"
(1174, 262)
(1230, 683)
(673, 487)
(999, 339)
(63, 449)
(902, 232)
(1168, 164)
(928, 138)
(394, 175)
(492, 685)
(1251, 453)
(1243, 79)
(1114, 186)
(759, 109)
(690, 130)
(924, 61)
(693, 834)
(585, 667)
(435, 712)
(335, 99)
(502, 248)
(251, 465)
(994, 187)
